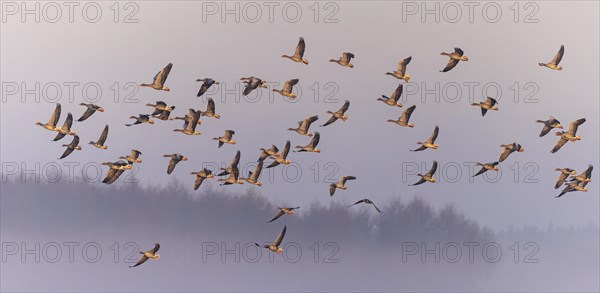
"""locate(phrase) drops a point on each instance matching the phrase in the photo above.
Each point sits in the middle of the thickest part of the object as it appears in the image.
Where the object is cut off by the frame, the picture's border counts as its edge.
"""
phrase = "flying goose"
(174, 160)
(186, 117)
(274, 247)
(312, 145)
(51, 125)
(299, 54)
(549, 125)
(142, 118)
(339, 114)
(190, 124)
(158, 83)
(161, 110)
(429, 143)
(400, 72)
(100, 143)
(253, 176)
(233, 178)
(489, 104)
(150, 254)
(428, 177)
(457, 55)
(201, 176)
(394, 99)
(570, 135)
(134, 157)
(227, 138)
(287, 88)
(283, 211)
(344, 60)
(210, 110)
(304, 125)
(206, 84)
(509, 149)
(554, 63)
(270, 152)
(574, 186)
(486, 167)
(340, 184)
(91, 109)
(564, 174)
(233, 165)
(586, 176)
(65, 129)
(403, 120)
(252, 83)
(366, 201)
(282, 159)
(115, 170)
(73, 145)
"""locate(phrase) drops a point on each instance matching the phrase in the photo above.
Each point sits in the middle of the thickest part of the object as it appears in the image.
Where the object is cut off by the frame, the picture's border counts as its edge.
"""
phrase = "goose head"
(317, 151)
(166, 88)
(333, 60)
(101, 109)
(557, 125)
(560, 68)
(306, 61)
(410, 125)
(464, 58)
(184, 158)
(151, 121)
(232, 141)
(39, 123)
(78, 148)
(351, 65)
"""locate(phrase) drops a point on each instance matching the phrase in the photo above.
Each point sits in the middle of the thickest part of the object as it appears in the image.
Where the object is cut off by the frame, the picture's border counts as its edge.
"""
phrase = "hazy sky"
(502, 54)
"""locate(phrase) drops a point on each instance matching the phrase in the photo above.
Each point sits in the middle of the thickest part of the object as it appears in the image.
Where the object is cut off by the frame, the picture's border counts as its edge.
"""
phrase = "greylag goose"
(366, 201)
(312, 145)
(341, 184)
(429, 143)
(206, 84)
(400, 72)
(73, 145)
(158, 83)
(274, 247)
(339, 114)
(286, 91)
(100, 143)
(284, 211)
(201, 176)
(554, 63)
(304, 125)
(299, 54)
(344, 60)
(457, 55)
(227, 138)
(405, 117)
(509, 149)
(489, 104)
(51, 125)
(91, 109)
(174, 160)
(150, 254)
(549, 125)
(566, 136)
(428, 177)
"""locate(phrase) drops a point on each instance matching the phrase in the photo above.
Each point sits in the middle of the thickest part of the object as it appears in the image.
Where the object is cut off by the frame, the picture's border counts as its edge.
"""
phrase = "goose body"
(304, 125)
(344, 60)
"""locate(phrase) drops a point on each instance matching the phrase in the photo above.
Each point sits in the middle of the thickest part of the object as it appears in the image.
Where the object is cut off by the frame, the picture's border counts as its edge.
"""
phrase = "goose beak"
(184, 159)
(521, 150)
(101, 109)
(559, 126)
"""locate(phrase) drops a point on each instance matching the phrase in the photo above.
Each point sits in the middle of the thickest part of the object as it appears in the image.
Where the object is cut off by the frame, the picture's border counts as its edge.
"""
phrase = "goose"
(286, 91)
(115, 170)
(270, 152)
(210, 110)
(142, 118)
(344, 60)
(158, 83)
(339, 114)
(312, 145)
(252, 83)
(191, 113)
(206, 84)
(91, 109)
(570, 135)
(284, 211)
(393, 100)
(554, 63)
(366, 201)
(174, 160)
(429, 143)
(341, 184)
(489, 104)
(51, 125)
(304, 125)
(564, 174)
(227, 138)
(133, 157)
(73, 145)
(486, 167)
(189, 126)
(150, 254)
(253, 176)
(201, 176)
(573, 186)
(403, 120)
(65, 129)
(282, 159)
(299, 54)
(457, 55)
(232, 179)
(428, 177)
(549, 125)
(586, 176)
(400, 72)
(509, 149)
(100, 143)
(161, 110)
(232, 166)
(274, 247)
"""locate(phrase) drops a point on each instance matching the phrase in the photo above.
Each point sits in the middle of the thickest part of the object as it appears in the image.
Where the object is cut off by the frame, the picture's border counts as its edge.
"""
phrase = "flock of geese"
(191, 121)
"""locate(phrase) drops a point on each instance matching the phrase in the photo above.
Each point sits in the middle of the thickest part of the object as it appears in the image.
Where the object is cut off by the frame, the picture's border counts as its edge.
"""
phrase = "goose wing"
(286, 149)
(236, 160)
(346, 56)
(88, 112)
(344, 107)
(155, 249)
(358, 202)
(574, 125)
(505, 153)
(279, 238)
(561, 180)
(257, 170)
(481, 171)
(421, 181)
(211, 106)
(281, 213)
(346, 178)
(308, 121)
(433, 169)
(55, 115)
(458, 51)
(68, 122)
(545, 130)
(405, 117)
(332, 189)
(451, 64)
(288, 86)
(141, 261)
(103, 135)
(491, 101)
(172, 163)
(161, 76)
(397, 93)
(198, 182)
(434, 135)
(331, 120)
(558, 55)
(402, 65)
(315, 140)
(229, 134)
(300, 48)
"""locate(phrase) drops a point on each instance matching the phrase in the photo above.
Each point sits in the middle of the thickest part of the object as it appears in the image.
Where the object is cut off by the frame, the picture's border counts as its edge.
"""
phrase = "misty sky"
(502, 53)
